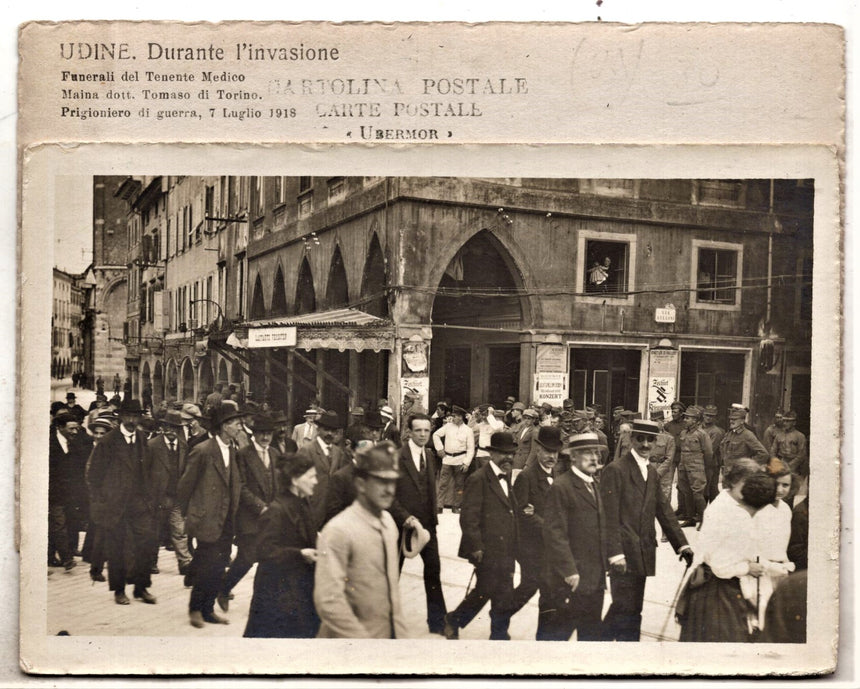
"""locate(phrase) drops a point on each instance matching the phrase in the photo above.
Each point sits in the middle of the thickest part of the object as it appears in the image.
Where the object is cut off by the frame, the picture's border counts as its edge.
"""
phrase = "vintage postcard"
(315, 289)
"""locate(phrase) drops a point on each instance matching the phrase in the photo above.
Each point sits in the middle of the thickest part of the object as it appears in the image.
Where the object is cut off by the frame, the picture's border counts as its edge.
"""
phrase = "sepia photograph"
(441, 408)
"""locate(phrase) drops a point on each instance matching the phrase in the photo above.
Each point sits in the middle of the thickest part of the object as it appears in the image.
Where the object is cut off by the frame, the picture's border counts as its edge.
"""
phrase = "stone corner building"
(619, 292)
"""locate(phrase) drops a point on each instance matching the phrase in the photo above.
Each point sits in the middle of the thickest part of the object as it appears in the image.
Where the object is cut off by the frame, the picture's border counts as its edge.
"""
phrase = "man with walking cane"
(630, 489)
(489, 542)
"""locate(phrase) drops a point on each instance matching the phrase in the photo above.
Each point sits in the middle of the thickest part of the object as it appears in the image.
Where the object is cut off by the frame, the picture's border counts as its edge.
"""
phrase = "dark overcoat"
(259, 487)
(488, 520)
(283, 604)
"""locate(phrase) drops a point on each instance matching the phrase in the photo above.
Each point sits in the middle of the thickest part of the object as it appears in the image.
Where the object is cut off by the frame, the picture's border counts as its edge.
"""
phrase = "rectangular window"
(715, 275)
(304, 184)
(209, 299)
(336, 189)
(726, 193)
(279, 186)
(256, 197)
(606, 267)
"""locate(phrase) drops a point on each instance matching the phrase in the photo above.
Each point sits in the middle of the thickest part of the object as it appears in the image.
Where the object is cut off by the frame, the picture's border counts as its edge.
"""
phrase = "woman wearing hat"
(283, 606)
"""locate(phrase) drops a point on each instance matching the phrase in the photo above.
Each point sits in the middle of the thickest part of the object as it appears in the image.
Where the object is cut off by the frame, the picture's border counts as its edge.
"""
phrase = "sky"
(73, 213)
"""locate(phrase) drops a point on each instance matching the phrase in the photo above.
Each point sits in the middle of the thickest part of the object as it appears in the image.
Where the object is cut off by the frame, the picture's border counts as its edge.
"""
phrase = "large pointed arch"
(258, 303)
(306, 299)
(374, 296)
(337, 288)
(279, 294)
(480, 286)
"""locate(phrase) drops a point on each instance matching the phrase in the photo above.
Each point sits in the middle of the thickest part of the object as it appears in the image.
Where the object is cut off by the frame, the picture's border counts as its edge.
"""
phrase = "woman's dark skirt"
(716, 612)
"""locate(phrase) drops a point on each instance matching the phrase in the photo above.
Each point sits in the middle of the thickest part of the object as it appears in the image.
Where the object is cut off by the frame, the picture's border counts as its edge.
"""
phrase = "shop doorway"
(712, 377)
(605, 377)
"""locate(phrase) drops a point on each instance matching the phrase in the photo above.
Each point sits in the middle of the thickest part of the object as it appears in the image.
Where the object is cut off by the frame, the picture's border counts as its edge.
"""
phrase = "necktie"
(422, 463)
(131, 440)
(173, 446)
(590, 486)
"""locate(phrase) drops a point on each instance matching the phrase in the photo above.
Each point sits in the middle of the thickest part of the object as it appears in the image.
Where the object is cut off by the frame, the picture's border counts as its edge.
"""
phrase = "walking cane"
(672, 607)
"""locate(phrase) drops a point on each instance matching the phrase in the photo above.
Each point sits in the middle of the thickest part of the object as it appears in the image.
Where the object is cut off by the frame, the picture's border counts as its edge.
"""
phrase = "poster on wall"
(662, 380)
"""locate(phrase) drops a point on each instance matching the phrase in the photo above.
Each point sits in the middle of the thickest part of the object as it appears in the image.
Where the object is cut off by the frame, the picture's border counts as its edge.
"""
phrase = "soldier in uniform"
(696, 453)
(789, 445)
(716, 434)
(739, 441)
(770, 432)
(674, 427)
(662, 455)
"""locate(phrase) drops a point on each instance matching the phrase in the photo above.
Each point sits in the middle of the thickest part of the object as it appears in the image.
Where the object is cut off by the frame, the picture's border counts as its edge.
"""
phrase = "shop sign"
(662, 380)
(551, 387)
(665, 314)
(280, 336)
(551, 358)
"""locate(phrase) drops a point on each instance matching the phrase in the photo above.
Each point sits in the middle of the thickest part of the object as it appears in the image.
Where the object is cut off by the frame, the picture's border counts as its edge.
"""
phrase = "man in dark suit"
(574, 537)
(167, 457)
(120, 489)
(531, 488)
(415, 505)
(256, 464)
(341, 488)
(68, 450)
(209, 492)
(489, 524)
(327, 458)
(630, 489)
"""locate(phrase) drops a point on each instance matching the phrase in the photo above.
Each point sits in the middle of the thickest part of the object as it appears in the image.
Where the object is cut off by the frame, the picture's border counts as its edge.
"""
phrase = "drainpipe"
(770, 259)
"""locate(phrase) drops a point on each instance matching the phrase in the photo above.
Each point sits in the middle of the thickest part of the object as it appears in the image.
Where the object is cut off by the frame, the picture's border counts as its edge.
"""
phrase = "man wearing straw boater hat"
(208, 493)
(574, 527)
(489, 525)
(632, 499)
(304, 433)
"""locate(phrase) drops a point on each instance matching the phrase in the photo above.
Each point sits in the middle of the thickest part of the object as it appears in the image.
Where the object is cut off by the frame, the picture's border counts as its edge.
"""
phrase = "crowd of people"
(329, 509)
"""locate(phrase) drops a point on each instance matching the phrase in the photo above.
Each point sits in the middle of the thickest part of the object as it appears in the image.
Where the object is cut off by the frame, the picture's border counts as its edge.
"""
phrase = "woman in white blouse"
(721, 596)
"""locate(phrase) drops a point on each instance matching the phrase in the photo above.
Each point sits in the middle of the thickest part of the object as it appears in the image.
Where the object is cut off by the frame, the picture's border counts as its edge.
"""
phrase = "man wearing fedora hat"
(455, 446)
(574, 536)
(256, 464)
(531, 487)
(489, 541)
(327, 458)
(121, 489)
(209, 493)
(356, 582)
(166, 457)
(632, 499)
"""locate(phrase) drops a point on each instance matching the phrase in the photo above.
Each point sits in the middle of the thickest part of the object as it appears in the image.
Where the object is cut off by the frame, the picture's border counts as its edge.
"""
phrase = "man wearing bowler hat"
(167, 457)
(327, 458)
(489, 541)
(74, 408)
(531, 487)
(121, 488)
(632, 499)
(209, 493)
(574, 537)
(256, 464)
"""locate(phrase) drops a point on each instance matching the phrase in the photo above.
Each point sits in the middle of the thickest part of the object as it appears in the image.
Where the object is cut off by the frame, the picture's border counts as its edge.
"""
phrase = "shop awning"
(340, 329)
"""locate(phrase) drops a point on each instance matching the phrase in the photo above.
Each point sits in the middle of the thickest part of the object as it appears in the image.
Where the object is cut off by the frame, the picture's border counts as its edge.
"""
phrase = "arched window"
(337, 291)
(374, 299)
(258, 306)
(279, 295)
(306, 300)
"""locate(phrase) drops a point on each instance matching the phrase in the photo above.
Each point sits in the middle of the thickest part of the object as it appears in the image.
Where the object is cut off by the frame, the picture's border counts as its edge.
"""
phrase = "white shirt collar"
(415, 449)
(325, 448)
(498, 472)
(126, 433)
(260, 448)
(583, 476)
(63, 442)
(222, 444)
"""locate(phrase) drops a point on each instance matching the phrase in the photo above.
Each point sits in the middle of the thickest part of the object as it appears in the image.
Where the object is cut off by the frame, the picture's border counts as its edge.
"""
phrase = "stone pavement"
(82, 608)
